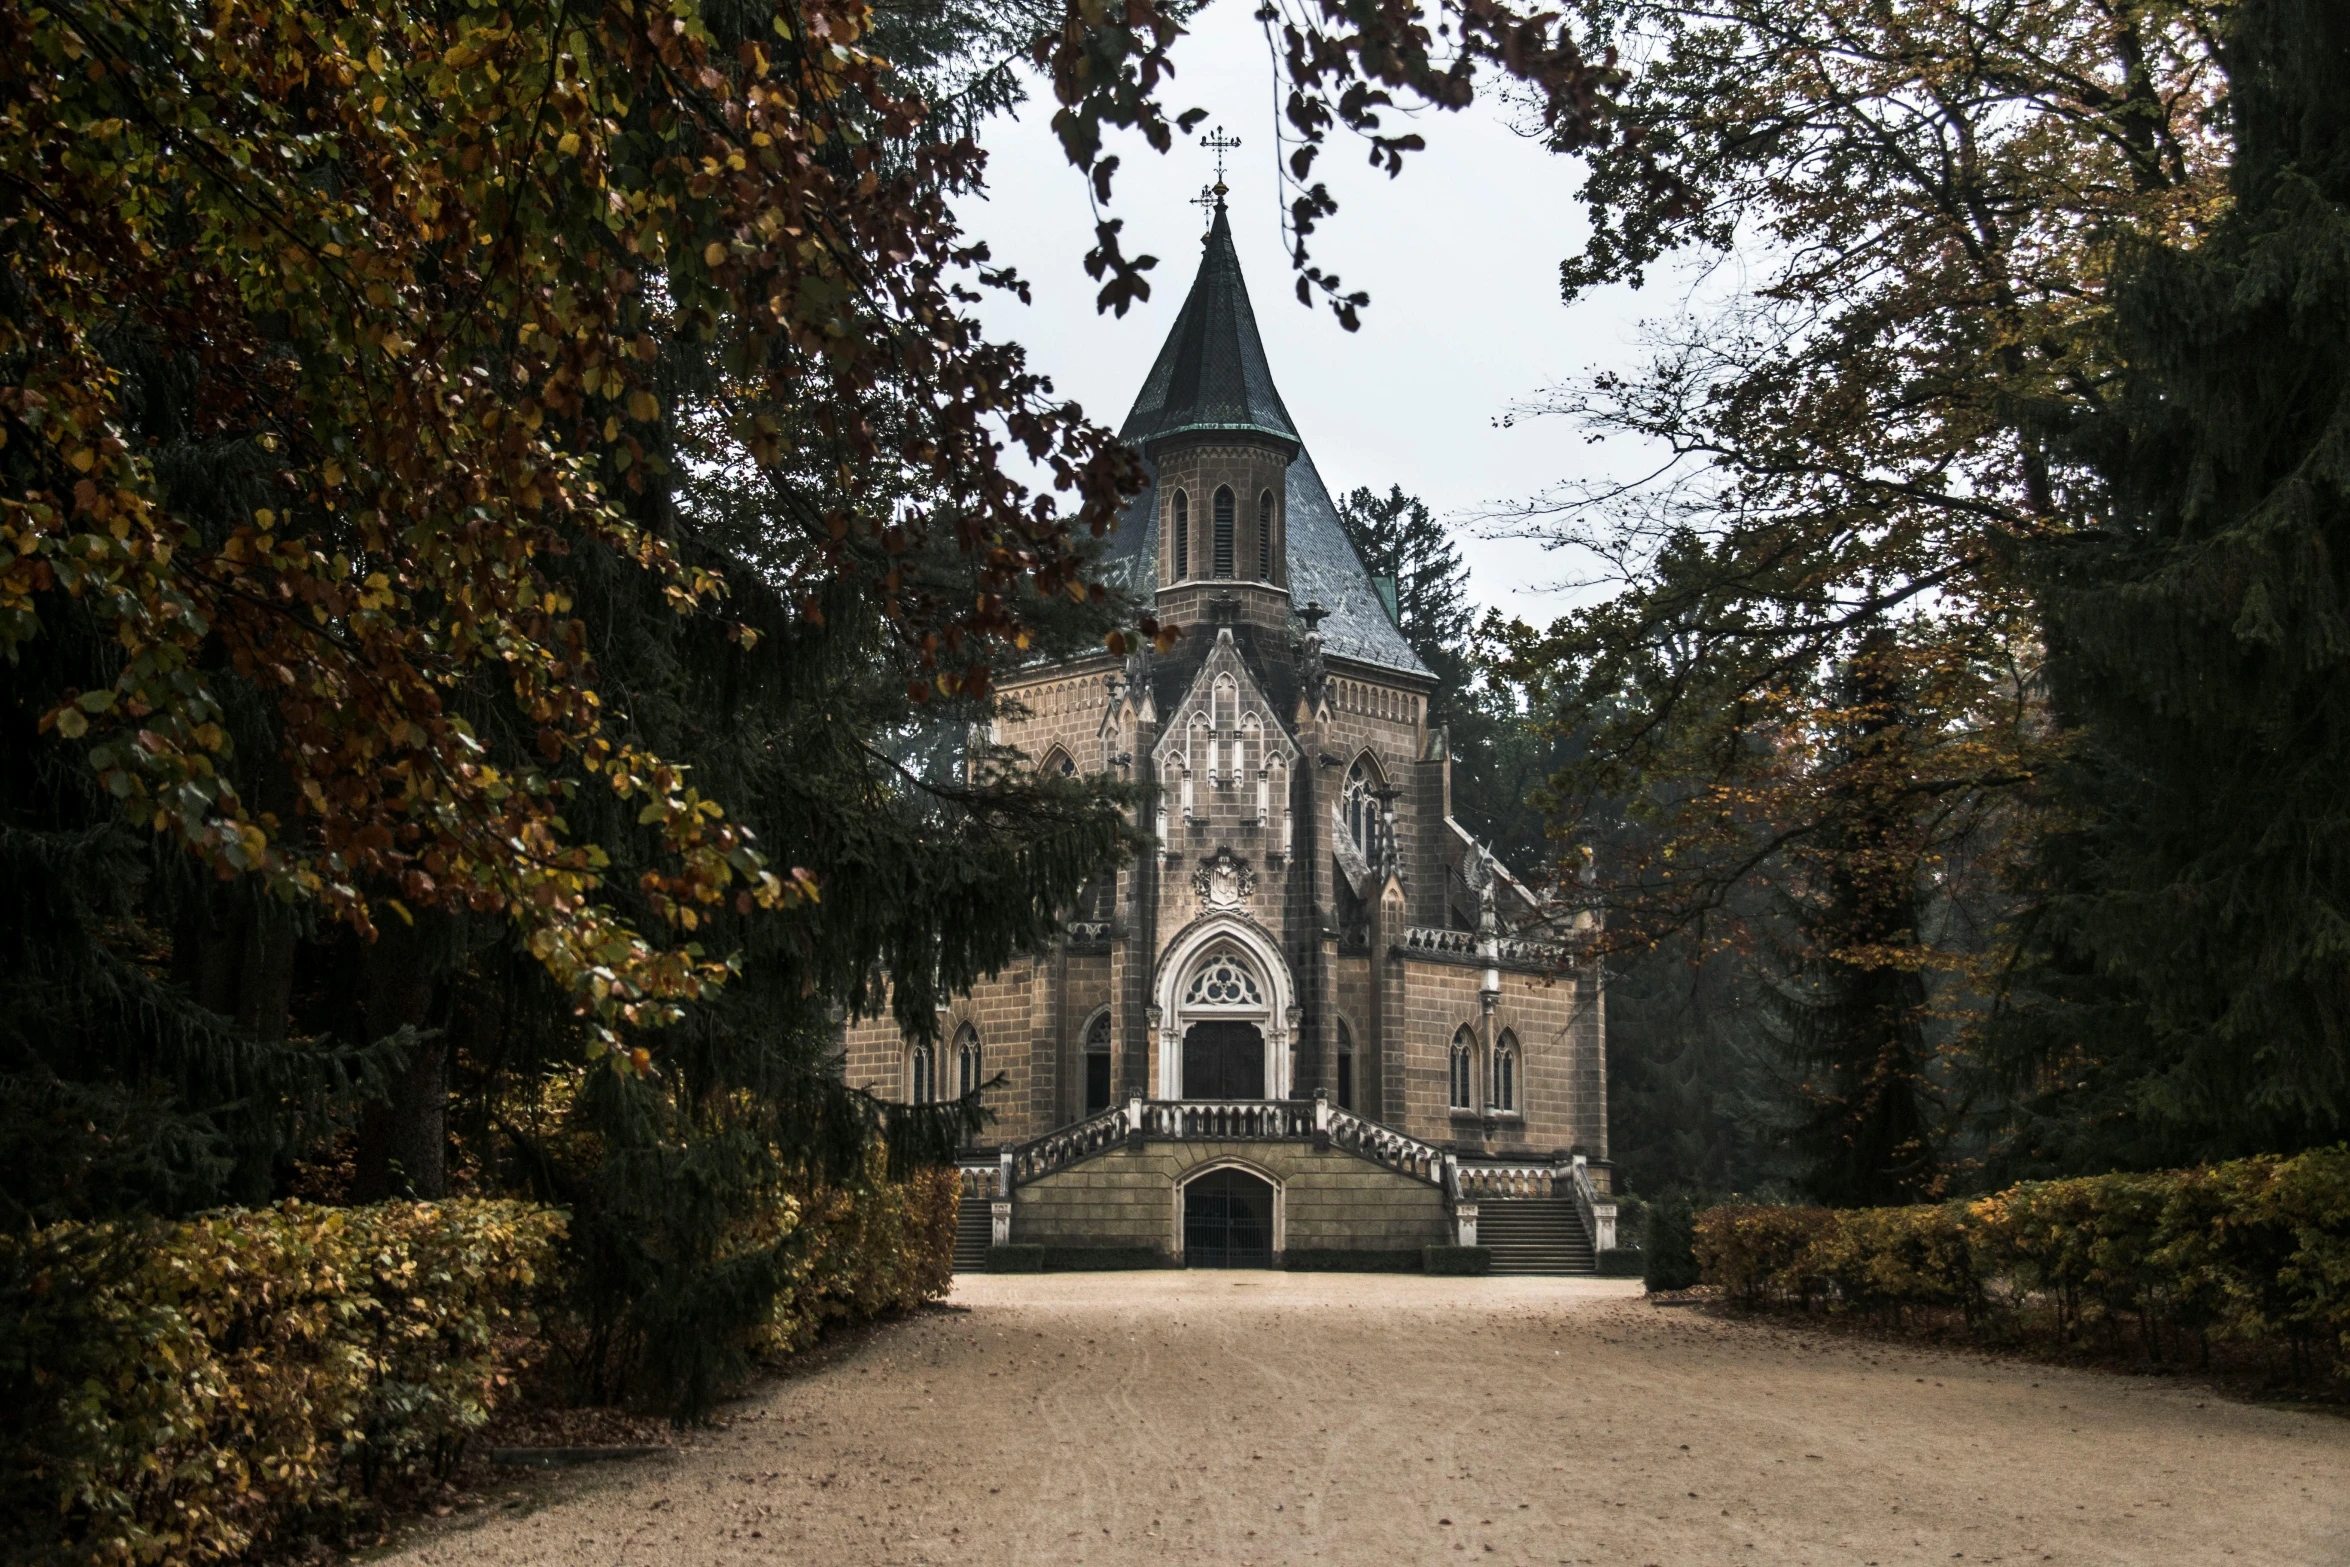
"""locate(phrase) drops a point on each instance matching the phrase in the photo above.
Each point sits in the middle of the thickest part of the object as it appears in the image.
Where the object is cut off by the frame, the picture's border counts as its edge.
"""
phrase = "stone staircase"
(1535, 1235)
(973, 1234)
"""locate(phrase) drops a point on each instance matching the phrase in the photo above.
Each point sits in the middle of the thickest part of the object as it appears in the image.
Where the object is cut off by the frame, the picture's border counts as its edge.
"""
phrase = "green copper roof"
(1211, 375)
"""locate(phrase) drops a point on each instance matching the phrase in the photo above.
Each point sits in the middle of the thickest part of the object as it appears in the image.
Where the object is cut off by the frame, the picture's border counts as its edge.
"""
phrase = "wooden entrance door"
(1223, 1061)
(1228, 1221)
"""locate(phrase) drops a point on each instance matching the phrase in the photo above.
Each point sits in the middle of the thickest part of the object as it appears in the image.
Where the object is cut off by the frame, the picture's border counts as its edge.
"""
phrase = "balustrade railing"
(1054, 1150)
(1598, 1213)
(1463, 943)
(1385, 1145)
(1499, 1182)
(979, 1181)
(1089, 933)
(1234, 1118)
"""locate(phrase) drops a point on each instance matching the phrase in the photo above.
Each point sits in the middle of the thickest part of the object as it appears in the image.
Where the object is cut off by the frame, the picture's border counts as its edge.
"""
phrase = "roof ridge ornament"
(1219, 144)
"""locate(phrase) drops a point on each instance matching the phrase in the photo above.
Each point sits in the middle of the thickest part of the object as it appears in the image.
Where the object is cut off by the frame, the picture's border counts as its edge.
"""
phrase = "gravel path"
(1263, 1417)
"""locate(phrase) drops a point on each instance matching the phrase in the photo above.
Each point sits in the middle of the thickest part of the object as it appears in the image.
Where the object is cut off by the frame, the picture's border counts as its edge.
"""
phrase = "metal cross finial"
(1219, 143)
(1206, 202)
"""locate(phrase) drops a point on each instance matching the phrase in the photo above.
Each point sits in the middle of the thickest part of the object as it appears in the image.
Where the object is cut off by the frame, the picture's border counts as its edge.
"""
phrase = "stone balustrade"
(1055, 1150)
(979, 1181)
(1089, 933)
(1234, 1120)
(1229, 1118)
(1383, 1144)
(1497, 1182)
(1519, 951)
(1598, 1212)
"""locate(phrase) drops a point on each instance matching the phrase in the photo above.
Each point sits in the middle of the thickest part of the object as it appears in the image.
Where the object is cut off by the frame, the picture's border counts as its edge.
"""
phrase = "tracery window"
(967, 1066)
(1464, 1050)
(1359, 804)
(1097, 1065)
(921, 1076)
(1182, 535)
(1223, 979)
(1058, 764)
(1223, 534)
(1265, 537)
(1505, 1072)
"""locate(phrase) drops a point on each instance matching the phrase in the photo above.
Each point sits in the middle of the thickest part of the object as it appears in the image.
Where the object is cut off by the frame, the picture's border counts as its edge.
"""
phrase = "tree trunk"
(403, 1138)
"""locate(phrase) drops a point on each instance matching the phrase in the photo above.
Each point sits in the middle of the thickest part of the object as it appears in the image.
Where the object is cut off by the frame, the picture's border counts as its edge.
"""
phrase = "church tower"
(1220, 445)
(1315, 1016)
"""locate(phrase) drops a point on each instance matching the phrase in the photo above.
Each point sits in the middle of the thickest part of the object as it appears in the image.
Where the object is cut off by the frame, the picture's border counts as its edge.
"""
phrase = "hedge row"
(174, 1390)
(183, 1392)
(884, 1246)
(2256, 1251)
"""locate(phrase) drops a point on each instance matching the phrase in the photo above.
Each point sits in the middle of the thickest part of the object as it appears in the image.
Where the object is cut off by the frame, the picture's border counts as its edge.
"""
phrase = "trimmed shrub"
(1102, 1259)
(1668, 1262)
(881, 1246)
(2256, 1251)
(1457, 1259)
(1015, 1259)
(1756, 1251)
(177, 1392)
(1623, 1262)
(1319, 1259)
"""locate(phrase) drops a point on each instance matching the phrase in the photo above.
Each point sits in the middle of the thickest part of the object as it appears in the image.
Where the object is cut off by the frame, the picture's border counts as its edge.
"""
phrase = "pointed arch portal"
(1226, 1004)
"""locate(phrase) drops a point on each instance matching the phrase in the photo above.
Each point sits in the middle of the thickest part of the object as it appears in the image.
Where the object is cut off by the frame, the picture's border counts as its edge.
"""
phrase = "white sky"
(1460, 256)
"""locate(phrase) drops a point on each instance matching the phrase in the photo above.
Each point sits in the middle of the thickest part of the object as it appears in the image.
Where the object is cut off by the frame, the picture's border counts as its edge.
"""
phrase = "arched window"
(1223, 979)
(1223, 531)
(1057, 764)
(1464, 1051)
(1359, 804)
(1505, 1072)
(921, 1076)
(1182, 535)
(1097, 1066)
(967, 1078)
(1265, 537)
(1346, 1067)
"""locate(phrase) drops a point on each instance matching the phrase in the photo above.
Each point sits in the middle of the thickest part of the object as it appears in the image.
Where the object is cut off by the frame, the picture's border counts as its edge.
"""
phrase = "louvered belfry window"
(1265, 537)
(1223, 531)
(1182, 535)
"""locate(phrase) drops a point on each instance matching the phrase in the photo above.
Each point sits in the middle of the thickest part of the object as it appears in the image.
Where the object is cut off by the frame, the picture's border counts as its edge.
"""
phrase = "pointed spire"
(1212, 375)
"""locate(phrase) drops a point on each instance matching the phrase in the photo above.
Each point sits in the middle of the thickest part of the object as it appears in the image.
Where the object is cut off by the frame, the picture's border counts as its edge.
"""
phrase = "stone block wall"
(1063, 709)
(1327, 1198)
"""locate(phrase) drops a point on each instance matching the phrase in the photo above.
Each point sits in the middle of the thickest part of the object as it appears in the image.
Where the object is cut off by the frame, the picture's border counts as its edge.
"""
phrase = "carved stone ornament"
(1224, 880)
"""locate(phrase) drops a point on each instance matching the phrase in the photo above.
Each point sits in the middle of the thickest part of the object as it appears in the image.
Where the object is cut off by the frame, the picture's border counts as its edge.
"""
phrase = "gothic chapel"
(1302, 1027)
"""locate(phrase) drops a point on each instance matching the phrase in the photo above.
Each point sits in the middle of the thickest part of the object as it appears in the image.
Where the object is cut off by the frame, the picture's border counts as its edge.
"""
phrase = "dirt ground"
(1264, 1418)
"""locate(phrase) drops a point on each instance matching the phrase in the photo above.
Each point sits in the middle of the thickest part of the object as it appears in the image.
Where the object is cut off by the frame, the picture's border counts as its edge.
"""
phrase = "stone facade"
(1330, 1201)
(1312, 921)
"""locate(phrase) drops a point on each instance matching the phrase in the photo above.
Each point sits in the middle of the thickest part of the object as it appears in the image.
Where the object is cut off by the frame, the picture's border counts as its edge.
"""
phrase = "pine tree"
(1500, 756)
(1400, 541)
(2189, 987)
(1853, 1006)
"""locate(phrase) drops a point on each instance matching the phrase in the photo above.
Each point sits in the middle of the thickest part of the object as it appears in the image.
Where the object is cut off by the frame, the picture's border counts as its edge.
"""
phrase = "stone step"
(974, 1230)
(1535, 1235)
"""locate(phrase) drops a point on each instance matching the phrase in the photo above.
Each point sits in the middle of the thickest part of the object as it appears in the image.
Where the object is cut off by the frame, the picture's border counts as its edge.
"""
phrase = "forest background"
(511, 520)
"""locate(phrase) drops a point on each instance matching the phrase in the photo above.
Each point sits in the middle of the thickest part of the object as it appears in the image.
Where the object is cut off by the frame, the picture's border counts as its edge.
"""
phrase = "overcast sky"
(1460, 256)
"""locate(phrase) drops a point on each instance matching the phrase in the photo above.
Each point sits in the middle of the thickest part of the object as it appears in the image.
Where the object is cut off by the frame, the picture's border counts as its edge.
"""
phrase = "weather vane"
(1219, 143)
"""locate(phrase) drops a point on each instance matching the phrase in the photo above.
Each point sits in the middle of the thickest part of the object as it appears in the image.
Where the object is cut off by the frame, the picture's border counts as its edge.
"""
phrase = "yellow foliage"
(878, 1247)
(2256, 1250)
(185, 1388)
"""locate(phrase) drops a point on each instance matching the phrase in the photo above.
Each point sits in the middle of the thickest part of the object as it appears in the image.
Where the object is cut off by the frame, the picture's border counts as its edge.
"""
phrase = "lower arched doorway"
(1223, 1060)
(1228, 1221)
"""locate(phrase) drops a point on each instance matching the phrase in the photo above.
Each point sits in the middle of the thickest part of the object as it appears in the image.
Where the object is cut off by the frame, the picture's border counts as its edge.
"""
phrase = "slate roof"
(1212, 375)
(1211, 372)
